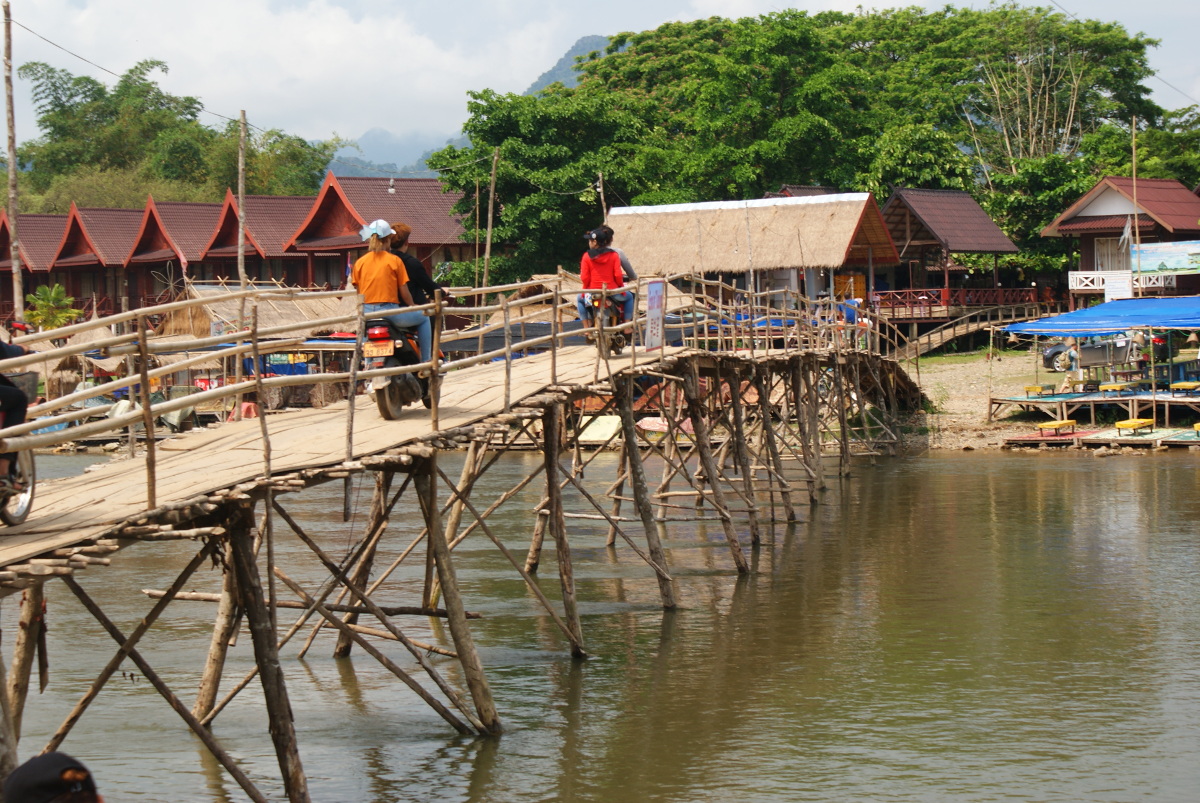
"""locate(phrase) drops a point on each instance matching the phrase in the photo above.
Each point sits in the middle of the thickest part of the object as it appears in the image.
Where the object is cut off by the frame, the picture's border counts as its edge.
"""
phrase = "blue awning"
(1182, 312)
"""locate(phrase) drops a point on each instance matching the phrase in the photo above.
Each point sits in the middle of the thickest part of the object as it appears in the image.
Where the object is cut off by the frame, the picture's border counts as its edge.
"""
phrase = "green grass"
(972, 356)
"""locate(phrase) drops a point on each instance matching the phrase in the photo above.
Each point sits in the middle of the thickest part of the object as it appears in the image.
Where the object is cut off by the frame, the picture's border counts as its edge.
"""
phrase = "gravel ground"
(958, 389)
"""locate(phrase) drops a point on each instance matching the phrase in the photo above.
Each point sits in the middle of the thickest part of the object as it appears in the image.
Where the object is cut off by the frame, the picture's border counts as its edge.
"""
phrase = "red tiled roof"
(178, 230)
(1103, 223)
(94, 236)
(952, 217)
(347, 203)
(270, 222)
(39, 237)
(1167, 202)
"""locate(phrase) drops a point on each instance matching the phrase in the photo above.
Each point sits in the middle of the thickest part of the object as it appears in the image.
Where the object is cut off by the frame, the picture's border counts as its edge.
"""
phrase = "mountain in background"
(379, 150)
(564, 71)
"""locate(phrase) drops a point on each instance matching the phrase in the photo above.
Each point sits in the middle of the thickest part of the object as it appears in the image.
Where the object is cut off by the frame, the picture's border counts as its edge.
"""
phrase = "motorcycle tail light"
(378, 333)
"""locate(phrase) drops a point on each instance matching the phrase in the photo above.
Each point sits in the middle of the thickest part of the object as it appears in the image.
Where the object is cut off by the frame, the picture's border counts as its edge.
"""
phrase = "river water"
(960, 627)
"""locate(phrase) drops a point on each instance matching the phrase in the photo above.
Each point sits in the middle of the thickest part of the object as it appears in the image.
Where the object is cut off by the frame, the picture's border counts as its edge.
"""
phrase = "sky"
(316, 68)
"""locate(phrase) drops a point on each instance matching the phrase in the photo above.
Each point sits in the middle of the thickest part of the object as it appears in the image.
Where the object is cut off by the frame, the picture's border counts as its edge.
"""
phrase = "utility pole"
(17, 279)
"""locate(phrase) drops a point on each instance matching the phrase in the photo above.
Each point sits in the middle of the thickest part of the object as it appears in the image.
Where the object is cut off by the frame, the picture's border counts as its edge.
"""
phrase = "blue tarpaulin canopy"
(1182, 312)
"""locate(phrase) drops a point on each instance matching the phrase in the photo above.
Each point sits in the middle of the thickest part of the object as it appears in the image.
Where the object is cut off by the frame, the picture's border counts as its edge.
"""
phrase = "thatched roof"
(825, 231)
(220, 312)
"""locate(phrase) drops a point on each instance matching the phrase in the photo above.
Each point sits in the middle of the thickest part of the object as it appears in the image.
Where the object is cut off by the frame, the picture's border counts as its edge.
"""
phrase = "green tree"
(50, 307)
(135, 129)
(998, 101)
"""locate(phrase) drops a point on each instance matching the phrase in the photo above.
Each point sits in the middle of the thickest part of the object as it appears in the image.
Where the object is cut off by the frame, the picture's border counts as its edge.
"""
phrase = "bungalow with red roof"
(929, 227)
(91, 256)
(1119, 212)
(38, 237)
(329, 234)
(270, 222)
(169, 244)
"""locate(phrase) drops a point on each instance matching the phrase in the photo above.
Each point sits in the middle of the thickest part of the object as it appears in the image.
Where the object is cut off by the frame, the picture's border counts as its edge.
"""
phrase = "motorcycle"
(15, 506)
(388, 346)
(606, 317)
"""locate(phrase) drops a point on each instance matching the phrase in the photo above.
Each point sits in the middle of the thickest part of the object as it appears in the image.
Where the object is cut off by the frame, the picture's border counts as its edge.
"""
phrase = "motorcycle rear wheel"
(389, 401)
(15, 508)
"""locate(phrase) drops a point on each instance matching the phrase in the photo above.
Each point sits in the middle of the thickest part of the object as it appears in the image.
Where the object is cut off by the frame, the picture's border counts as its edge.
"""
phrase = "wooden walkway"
(69, 511)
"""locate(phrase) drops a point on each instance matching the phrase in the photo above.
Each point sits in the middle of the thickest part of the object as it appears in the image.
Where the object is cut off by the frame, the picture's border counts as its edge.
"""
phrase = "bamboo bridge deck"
(69, 511)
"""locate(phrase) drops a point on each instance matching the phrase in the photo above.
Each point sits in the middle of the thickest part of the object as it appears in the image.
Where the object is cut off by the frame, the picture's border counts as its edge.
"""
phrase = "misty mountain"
(379, 151)
(564, 71)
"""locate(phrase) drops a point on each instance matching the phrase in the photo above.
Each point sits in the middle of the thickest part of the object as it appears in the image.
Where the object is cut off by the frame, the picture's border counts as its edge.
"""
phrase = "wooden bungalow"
(95, 244)
(170, 242)
(38, 238)
(329, 237)
(828, 243)
(1118, 212)
(270, 222)
(929, 227)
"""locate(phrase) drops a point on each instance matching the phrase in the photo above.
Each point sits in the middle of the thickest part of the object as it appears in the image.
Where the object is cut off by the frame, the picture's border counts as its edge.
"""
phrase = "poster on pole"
(1118, 284)
(656, 304)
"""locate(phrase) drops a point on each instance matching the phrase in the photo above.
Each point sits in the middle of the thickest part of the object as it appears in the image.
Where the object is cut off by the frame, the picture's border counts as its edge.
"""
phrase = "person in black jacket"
(13, 404)
(420, 285)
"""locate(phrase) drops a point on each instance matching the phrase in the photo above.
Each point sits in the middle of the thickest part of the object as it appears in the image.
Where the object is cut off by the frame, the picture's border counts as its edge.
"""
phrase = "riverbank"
(958, 387)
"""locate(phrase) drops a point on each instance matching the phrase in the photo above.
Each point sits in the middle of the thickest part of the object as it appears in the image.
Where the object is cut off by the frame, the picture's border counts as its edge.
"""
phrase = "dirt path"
(959, 393)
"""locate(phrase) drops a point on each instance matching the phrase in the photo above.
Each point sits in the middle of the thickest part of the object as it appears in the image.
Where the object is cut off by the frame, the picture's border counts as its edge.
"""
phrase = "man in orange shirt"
(380, 277)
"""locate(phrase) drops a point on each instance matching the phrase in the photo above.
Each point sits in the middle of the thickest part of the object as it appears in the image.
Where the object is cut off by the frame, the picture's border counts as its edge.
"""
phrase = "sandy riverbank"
(959, 387)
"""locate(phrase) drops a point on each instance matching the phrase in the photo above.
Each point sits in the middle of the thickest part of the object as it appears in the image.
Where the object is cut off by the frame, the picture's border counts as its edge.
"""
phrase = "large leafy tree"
(998, 101)
(148, 140)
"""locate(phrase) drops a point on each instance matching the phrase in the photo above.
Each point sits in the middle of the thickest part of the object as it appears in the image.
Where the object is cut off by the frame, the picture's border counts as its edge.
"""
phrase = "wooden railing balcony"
(1093, 281)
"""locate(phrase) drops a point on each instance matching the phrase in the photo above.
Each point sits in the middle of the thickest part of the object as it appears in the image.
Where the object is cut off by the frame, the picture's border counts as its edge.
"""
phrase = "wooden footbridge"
(738, 417)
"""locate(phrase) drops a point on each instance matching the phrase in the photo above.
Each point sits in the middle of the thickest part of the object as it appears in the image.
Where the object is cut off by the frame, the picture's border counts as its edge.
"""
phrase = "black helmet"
(603, 235)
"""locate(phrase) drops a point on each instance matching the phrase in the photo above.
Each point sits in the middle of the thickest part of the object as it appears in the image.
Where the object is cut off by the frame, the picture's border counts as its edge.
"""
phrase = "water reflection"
(959, 627)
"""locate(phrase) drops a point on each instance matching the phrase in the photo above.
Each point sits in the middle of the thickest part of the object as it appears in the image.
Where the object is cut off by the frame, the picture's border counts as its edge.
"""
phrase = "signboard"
(656, 304)
(1181, 257)
(1118, 284)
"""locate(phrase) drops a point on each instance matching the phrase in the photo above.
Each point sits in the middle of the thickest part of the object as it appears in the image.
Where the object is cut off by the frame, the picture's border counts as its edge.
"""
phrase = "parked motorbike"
(388, 346)
(606, 317)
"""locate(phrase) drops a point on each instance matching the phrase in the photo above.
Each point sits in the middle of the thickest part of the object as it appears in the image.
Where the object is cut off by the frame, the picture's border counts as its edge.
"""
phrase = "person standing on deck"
(381, 279)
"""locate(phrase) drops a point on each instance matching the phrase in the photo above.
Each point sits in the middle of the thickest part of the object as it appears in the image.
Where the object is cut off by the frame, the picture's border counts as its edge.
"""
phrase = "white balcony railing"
(1092, 281)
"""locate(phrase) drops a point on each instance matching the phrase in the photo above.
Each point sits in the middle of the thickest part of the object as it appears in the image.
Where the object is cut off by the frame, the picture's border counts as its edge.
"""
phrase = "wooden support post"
(551, 444)
(266, 654)
(224, 629)
(365, 600)
(148, 672)
(147, 415)
(695, 405)
(30, 633)
(764, 406)
(741, 456)
(619, 488)
(641, 497)
(425, 480)
(362, 572)
(126, 646)
(839, 376)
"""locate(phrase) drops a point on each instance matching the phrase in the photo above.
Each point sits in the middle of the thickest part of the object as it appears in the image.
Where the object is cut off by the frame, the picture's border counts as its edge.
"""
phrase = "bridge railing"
(713, 316)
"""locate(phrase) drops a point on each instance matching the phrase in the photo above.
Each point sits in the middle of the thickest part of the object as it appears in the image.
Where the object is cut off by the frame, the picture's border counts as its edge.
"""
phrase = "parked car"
(1102, 350)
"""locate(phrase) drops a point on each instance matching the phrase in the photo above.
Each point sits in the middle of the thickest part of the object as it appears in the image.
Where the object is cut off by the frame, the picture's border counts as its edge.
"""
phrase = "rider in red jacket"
(600, 268)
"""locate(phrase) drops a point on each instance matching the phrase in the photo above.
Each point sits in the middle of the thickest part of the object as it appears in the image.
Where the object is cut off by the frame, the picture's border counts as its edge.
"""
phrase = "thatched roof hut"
(220, 312)
(816, 232)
